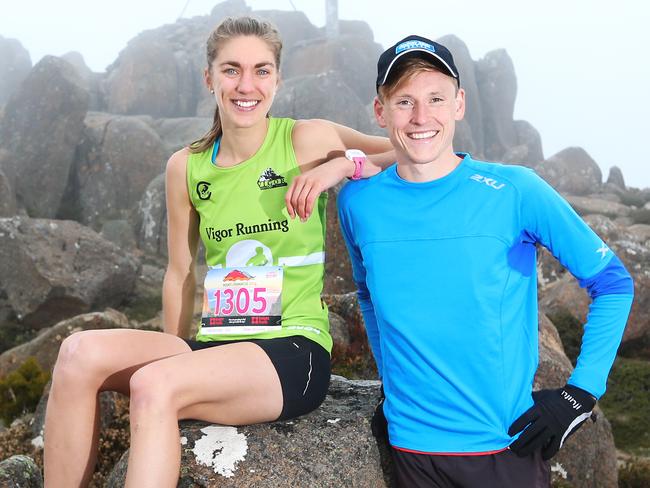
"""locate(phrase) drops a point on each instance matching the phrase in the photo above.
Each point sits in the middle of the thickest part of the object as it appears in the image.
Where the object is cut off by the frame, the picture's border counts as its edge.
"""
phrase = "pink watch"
(359, 158)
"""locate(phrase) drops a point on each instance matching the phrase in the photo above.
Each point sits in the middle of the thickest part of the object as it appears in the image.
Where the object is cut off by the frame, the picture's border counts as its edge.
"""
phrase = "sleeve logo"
(603, 250)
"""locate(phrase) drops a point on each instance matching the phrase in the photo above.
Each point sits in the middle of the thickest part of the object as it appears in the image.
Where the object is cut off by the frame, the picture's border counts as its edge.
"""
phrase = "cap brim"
(433, 55)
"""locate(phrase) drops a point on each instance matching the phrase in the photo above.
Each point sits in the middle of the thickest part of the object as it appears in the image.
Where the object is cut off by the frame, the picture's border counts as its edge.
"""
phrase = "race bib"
(244, 300)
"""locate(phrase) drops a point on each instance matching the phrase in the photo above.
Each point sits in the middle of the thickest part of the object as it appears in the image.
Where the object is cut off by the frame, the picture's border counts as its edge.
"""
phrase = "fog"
(579, 64)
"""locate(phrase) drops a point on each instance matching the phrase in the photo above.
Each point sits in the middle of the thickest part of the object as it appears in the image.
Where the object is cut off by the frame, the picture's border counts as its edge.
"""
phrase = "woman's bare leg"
(233, 384)
(90, 362)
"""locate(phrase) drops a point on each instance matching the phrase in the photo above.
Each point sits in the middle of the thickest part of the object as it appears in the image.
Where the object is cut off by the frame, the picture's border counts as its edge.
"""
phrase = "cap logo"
(414, 44)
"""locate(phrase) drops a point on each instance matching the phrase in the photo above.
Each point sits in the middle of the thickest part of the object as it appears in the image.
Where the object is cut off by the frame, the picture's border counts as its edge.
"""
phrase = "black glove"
(378, 424)
(555, 416)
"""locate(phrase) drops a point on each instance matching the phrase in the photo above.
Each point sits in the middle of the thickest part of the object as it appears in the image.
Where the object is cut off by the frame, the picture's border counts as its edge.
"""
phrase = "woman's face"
(244, 78)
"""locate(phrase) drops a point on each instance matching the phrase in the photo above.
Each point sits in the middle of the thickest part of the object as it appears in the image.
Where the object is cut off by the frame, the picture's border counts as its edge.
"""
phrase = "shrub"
(21, 390)
(634, 474)
(570, 330)
(633, 196)
(640, 216)
(627, 403)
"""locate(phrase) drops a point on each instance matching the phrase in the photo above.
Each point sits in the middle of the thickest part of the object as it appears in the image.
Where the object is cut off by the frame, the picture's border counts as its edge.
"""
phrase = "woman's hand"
(306, 187)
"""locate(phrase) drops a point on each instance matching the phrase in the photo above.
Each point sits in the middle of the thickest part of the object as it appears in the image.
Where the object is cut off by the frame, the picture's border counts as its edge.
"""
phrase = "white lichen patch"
(221, 448)
(183, 441)
(37, 442)
(557, 468)
(333, 421)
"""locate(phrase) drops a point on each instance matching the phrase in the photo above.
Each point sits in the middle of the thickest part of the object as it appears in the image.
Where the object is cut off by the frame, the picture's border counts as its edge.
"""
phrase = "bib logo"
(269, 180)
(203, 190)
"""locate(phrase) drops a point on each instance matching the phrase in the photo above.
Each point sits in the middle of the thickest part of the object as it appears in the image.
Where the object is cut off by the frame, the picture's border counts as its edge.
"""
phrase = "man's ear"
(378, 108)
(460, 105)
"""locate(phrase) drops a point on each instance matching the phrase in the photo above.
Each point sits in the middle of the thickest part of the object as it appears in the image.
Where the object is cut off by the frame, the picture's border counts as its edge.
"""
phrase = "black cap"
(416, 46)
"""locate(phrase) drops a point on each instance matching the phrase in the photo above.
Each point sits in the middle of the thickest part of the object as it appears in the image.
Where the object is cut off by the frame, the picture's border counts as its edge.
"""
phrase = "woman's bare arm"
(179, 284)
(320, 146)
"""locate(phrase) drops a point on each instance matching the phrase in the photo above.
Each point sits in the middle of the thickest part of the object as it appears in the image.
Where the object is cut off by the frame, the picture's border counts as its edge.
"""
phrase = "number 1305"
(229, 300)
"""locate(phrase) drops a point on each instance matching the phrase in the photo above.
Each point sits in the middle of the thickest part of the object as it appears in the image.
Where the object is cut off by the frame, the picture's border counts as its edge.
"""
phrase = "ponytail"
(206, 142)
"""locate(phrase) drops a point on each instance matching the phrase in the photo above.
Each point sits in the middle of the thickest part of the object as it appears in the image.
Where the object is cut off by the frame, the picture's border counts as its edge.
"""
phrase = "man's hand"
(306, 188)
(378, 424)
(555, 416)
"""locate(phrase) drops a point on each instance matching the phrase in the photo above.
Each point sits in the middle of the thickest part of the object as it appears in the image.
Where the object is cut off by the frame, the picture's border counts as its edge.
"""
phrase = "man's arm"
(549, 220)
(359, 276)
(612, 292)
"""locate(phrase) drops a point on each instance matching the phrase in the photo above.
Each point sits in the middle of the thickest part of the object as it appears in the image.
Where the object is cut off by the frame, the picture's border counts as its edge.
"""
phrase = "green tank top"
(244, 224)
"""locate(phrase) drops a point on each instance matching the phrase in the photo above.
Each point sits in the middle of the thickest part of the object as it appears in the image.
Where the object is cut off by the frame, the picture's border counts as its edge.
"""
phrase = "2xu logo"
(488, 181)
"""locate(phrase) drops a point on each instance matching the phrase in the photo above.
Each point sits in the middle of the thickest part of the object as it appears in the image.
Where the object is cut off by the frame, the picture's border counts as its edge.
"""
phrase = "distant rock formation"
(321, 96)
(497, 85)
(14, 68)
(573, 171)
(39, 133)
(616, 178)
(8, 206)
(116, 160)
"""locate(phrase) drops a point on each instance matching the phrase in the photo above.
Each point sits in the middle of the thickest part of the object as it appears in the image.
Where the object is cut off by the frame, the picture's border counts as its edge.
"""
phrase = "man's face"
(420, 117)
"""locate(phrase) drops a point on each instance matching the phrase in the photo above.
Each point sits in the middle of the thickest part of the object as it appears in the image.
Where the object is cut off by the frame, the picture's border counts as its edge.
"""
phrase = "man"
(443, 255)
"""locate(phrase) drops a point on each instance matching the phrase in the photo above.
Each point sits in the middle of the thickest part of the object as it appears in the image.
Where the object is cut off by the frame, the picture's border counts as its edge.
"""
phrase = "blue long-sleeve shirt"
(446, 277)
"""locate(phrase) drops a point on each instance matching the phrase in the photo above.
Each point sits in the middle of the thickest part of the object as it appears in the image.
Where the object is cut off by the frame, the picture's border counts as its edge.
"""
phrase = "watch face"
(354, 153)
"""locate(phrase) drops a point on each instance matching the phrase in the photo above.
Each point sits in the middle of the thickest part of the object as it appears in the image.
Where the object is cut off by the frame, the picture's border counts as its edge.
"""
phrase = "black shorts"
(500, 470)
(303, 367)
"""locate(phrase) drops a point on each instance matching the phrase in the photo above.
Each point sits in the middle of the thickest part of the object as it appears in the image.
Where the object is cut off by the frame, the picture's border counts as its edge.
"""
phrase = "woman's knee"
(81, 360)
(151, 391)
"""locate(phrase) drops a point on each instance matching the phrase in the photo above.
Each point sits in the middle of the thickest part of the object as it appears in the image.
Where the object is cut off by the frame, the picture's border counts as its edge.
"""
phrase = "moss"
(570, 330)
(627, 403)
(21, 390)
(634, 474)
(561, 483)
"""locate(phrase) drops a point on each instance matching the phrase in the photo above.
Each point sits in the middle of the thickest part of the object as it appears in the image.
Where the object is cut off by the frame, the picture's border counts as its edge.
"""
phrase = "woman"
(262, 304)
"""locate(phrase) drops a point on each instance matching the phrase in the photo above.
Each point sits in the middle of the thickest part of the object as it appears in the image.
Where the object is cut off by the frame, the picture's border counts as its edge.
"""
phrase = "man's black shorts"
(303, 367)
(503, 469)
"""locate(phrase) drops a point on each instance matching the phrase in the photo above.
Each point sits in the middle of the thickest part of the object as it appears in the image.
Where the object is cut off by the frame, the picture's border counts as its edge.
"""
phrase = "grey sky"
(579, 63)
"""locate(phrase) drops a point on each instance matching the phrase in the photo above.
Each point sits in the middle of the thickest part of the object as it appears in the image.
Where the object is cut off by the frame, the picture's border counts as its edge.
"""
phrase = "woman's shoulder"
(178, 161)
(315, 132)
(310, 127)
